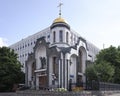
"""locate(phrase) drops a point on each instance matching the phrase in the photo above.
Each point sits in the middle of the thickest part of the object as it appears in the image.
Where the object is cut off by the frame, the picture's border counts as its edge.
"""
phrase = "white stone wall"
(57, 29)
(40, 52)
(26, 45)
(73, 68)
(50, 70)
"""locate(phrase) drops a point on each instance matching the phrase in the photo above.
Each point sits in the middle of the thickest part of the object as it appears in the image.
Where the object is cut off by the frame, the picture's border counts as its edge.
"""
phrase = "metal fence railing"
(102, 86)
(78, 89)
(54, 93)
(109, 86)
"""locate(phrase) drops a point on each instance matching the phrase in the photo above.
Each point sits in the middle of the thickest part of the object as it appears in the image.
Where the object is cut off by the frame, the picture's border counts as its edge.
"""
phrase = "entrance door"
(43, 81)
(79, 81)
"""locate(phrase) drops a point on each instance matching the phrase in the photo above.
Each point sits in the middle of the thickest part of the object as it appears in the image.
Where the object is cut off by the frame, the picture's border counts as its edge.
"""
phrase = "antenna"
(60, 4)
(103, 46)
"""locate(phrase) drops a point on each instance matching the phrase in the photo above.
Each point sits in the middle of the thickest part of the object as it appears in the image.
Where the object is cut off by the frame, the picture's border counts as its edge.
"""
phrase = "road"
(115, 94)
(8, 94)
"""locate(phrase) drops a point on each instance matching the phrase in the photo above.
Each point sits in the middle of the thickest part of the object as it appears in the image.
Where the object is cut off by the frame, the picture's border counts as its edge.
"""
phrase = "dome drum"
(60, 25)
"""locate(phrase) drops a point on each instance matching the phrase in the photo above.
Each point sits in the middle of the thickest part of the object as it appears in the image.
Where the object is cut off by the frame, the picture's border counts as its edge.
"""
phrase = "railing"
(54, 93)
(82, 89)
(102, 86)
(109, 86)
(94, 86)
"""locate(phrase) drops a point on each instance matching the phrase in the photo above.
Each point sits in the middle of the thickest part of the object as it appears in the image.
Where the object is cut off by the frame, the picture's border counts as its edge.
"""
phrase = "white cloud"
(3, 42)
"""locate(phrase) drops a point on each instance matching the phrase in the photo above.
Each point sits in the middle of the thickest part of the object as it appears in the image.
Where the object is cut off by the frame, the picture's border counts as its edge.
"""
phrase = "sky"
(98, 21)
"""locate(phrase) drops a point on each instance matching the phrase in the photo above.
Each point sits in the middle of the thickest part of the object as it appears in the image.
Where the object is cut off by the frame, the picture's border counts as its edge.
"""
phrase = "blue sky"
(96, 20)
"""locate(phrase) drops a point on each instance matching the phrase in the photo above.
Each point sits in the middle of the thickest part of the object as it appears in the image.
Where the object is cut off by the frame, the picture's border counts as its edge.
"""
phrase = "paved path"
(8, 94)
(115, 94)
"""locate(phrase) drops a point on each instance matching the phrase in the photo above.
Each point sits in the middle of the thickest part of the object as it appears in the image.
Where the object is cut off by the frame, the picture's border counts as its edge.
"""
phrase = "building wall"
(25, 46)
(40, 52)
(57, 41)
(66, 47)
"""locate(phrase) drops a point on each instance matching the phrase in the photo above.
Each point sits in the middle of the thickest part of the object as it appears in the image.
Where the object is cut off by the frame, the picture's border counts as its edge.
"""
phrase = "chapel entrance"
(79, 81)
(42, 82)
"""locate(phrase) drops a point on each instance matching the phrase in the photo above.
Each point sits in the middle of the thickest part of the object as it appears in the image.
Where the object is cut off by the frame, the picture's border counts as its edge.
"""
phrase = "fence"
(102, 86)
(53, 93)
(89, 89)
(109, 86)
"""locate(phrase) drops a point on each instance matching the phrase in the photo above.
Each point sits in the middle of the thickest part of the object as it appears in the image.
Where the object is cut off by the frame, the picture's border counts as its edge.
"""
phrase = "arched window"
(54, 36)
(67, 37)
(61, 36)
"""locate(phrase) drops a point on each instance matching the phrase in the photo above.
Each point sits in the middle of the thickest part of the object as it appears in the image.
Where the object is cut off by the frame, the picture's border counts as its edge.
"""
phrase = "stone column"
(64, 69)
(26, 74)
(37, 82)
(59, 74)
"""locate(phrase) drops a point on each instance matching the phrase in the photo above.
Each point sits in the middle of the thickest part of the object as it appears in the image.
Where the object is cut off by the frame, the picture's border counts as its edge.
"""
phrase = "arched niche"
(82, 57)
(40, 54)
(81, 66)
(72, 67)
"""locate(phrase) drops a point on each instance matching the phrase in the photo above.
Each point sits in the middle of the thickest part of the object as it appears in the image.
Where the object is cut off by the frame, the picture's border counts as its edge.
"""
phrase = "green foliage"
(10, 69)
(111, 55)
(100, 72)
(91, 73)
(108, 64)
(105, 71)
(117, 75)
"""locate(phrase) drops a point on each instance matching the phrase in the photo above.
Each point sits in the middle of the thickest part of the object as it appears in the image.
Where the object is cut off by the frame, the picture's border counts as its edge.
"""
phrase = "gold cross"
(60, 8)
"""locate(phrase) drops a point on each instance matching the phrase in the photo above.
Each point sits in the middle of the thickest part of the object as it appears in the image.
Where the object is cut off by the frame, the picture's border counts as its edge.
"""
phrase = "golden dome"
(59, 20)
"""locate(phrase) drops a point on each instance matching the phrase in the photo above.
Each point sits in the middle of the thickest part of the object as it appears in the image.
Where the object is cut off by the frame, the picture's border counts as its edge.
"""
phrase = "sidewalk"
(114, 94)
(8, 94)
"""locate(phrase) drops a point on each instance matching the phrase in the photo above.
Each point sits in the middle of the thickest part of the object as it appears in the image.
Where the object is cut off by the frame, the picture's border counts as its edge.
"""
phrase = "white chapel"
(54, 56)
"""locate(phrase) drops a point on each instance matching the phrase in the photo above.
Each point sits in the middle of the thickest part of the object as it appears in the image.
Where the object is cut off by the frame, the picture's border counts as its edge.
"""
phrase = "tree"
(10, 69)
(105, 71)
(91, 73)
(100, 72)
(111, 55)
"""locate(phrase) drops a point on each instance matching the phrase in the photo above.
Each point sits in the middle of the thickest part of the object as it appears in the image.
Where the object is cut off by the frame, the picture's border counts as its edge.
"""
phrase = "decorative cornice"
(65, 50)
